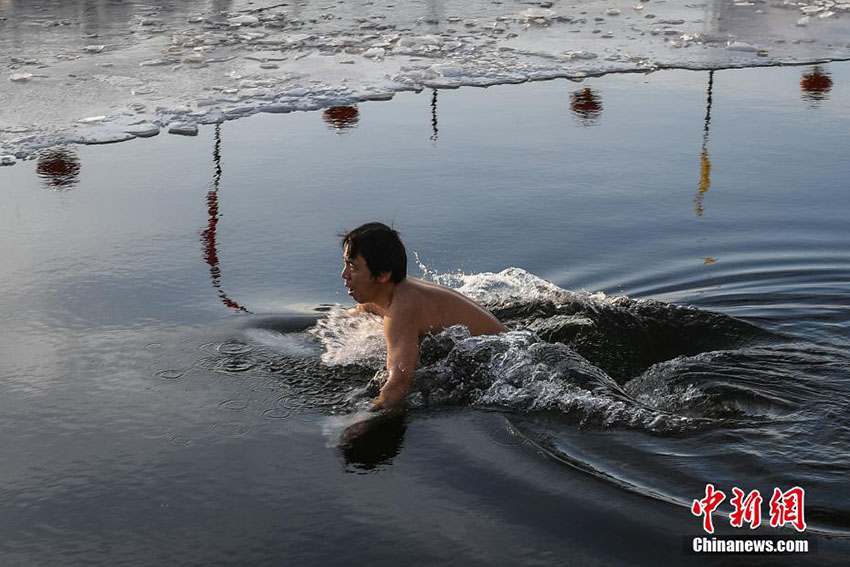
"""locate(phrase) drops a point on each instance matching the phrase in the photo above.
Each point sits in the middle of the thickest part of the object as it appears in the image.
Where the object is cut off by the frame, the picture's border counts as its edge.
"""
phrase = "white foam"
(349, 338)
(489, 288)
(509, 285)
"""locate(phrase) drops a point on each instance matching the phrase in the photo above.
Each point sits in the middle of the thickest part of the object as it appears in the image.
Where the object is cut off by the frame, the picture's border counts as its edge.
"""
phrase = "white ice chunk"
(7, 160)
(102, 136)
(94, 48)
(214, 117)
(143, 130)
(252, 93)
(299, 91)
(296, 39)
(538, 13)
(424, 42)
(443, 83)
(20, 77)
(243, 20)
(741, 46)
(183, 129)
(154, 63)
(445, 70)
(379, 96)
(374, 53)
(581, 55)
(92, 120)
(275, 108)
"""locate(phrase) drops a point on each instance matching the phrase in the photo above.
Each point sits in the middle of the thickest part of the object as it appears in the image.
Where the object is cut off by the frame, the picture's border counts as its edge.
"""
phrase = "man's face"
(357, 278)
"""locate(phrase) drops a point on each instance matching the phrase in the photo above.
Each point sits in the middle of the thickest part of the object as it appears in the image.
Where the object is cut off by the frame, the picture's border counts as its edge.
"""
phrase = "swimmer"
(375, 273)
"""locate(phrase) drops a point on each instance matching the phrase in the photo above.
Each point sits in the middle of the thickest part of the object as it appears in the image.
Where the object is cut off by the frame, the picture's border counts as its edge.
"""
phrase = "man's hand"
(390, 398)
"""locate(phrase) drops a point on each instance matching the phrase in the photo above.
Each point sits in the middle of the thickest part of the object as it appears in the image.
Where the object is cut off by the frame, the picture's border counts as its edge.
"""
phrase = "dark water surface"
(160, 401)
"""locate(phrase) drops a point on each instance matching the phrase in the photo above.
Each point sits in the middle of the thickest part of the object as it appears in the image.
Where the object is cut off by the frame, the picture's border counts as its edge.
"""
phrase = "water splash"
(492, 289)
(567, 352)
(350, 338)
(290, 344)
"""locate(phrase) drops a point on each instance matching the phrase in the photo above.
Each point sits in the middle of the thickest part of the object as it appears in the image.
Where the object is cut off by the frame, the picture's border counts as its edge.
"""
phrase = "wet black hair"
(380, 246)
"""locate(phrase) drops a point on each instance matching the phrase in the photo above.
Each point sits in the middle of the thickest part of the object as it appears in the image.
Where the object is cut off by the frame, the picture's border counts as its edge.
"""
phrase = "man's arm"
(402, 353)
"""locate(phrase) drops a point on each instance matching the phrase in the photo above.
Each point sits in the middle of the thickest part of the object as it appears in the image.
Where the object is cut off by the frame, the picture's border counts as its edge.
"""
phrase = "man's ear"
(384, 277)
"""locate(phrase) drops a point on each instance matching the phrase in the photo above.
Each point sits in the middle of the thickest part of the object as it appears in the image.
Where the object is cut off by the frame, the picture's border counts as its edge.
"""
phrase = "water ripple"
(234, 347)
(276, 413)
(234, 405)
(169, 374)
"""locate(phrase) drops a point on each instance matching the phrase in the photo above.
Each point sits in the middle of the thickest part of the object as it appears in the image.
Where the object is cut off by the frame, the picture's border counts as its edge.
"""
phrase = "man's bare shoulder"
(408, 298)
(419, 289)
(414, 297)
(432, 307)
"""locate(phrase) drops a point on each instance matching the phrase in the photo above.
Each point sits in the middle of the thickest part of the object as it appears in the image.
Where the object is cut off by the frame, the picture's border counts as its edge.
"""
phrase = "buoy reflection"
(815, 85)
(704, 159)
(341, 118)
(586, 105)
(58, 168)
(434, 129)
(208, 235)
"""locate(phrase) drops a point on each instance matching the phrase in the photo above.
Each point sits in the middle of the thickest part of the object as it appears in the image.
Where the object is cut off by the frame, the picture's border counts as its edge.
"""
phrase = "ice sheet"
(101, 72)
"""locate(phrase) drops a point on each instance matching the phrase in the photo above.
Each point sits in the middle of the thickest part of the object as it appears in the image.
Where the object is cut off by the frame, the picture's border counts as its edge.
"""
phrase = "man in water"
(375, 274)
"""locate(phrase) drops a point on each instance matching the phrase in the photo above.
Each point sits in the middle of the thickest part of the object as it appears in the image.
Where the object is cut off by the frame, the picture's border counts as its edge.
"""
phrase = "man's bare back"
(430, 308)
(410, 307)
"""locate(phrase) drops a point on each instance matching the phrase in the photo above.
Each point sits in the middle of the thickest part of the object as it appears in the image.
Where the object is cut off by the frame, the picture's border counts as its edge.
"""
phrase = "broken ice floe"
(741, 46)
(100, 136)
(92, 120)
(243, 20)
(183, 129)
(207, 64)
(375, 53)
(538, 15)
(143, 130)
